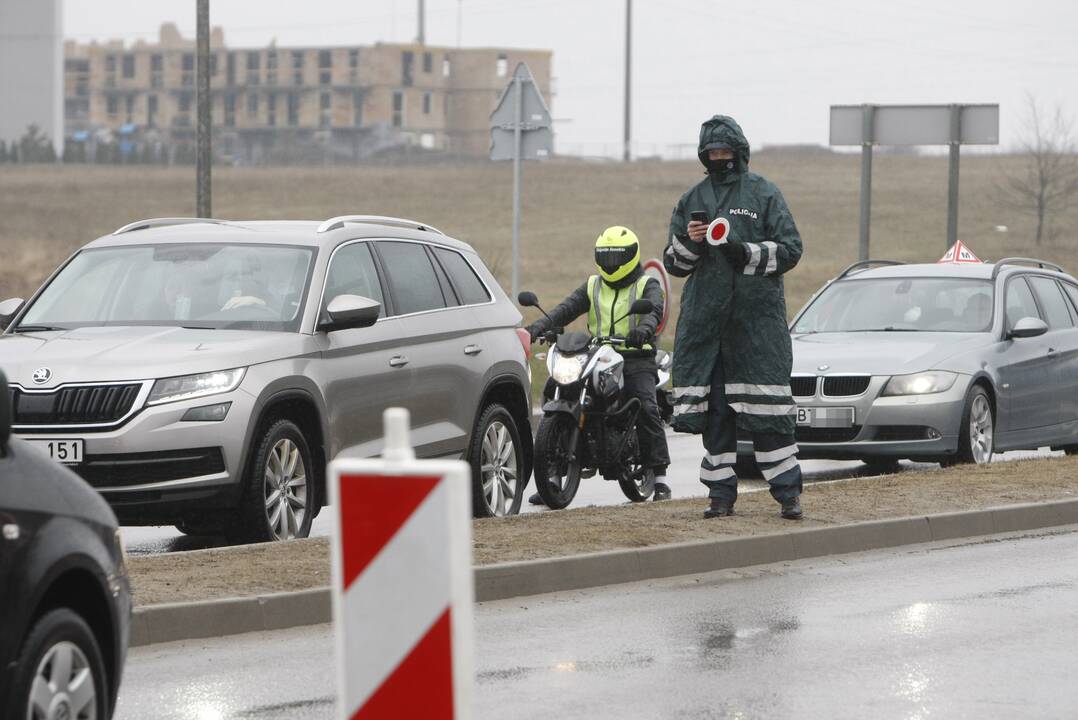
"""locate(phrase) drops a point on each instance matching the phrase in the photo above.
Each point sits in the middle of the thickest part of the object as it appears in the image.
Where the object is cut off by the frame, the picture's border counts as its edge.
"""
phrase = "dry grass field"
(47, 212)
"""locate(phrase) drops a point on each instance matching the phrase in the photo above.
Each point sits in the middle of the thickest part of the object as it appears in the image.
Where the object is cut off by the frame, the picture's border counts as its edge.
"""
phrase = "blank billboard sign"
(915, 125)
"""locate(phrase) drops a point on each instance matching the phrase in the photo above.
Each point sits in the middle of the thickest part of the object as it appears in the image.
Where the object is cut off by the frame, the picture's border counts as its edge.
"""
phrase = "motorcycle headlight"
(186, 387)
(934, 381)
(567, 369)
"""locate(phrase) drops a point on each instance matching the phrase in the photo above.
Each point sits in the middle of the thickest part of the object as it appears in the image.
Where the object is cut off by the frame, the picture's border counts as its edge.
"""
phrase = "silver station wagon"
(940, 362)
(201, 372)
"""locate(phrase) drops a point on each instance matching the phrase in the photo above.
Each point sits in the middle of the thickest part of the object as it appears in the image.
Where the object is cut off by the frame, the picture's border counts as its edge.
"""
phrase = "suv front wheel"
(279, 495)
(497, 459)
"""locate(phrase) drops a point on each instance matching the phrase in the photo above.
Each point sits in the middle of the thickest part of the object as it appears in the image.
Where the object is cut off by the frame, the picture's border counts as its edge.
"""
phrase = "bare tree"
(1048, 181)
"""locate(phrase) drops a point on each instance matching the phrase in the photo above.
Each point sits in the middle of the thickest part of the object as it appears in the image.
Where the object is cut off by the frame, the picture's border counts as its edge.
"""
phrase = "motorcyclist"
(606, 298)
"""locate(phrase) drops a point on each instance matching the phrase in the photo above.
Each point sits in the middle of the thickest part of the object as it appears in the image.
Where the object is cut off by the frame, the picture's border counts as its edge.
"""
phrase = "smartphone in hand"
(698, 216)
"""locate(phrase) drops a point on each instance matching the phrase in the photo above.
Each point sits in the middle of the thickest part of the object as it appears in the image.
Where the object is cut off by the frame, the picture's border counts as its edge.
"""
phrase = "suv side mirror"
(527, 299)
(5, 413)
(1028, 327)
(641, 307)
(350, 311)
(8, 310)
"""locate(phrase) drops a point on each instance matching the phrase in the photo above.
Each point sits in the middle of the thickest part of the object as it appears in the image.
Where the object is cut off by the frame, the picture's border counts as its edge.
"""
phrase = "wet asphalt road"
(982, 628)
(683, 474)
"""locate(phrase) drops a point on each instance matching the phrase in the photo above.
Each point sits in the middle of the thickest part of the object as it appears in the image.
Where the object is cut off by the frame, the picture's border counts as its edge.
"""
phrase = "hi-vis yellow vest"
(608, 314)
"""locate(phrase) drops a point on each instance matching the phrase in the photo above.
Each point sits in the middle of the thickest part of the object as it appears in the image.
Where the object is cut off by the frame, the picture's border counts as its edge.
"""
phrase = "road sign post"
(951, 125)
(520, 129)
(402, 583)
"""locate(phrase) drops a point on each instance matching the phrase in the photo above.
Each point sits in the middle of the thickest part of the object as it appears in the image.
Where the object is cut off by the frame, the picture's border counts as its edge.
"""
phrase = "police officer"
(606, 299)
(732, 353)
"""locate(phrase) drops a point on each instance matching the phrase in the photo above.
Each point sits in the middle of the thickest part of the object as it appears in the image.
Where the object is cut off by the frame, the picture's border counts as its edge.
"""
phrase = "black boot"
(662, 492)
(791, 508)
(719, 508)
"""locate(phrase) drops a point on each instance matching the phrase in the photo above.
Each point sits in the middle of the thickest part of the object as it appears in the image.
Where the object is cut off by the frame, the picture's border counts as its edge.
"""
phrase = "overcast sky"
(775, 65)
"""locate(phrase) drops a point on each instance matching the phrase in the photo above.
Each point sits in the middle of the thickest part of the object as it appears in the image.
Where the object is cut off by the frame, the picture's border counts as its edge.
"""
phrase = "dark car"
(65, 600)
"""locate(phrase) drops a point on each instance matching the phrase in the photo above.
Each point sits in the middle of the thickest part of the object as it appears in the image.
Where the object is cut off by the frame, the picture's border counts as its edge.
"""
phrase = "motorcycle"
(588, 426)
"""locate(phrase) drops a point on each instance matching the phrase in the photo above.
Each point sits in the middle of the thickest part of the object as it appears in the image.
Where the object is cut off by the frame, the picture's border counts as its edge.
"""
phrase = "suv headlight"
(186, 387)
(934, 381)
(567, 369)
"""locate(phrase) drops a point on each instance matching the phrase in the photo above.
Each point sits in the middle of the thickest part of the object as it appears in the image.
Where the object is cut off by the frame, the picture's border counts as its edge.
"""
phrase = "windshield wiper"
(889, 328)
(197, 327)
(37, 328)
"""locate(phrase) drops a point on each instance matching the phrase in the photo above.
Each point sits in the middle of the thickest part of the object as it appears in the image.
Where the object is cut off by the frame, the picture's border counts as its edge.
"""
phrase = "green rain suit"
(729, 314)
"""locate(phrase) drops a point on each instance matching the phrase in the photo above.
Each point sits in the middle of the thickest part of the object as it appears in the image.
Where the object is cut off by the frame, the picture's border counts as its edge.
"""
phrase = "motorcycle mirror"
(527, 299)
(643, 306)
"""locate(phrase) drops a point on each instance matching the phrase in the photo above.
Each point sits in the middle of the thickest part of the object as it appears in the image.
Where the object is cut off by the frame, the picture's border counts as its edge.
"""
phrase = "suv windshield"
(247, 287)
(901, 304)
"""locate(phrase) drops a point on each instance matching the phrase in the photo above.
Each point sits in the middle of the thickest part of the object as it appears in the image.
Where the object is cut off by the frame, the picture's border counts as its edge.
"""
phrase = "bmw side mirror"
(5, 413)
(642, 306)
(1028, 327)
(8, 310)
(527, 299)
(350, 311)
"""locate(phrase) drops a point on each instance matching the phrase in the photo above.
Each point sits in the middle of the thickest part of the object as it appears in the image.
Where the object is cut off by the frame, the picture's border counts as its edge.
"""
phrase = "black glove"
(536, 329)
(735, 253)
(638, 337)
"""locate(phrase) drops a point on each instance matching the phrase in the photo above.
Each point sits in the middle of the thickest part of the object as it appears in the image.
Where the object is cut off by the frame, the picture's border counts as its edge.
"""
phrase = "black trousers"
(641, 377)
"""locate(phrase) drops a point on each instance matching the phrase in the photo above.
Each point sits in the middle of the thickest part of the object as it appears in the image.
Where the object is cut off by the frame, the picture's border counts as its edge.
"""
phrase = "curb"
(230, 616)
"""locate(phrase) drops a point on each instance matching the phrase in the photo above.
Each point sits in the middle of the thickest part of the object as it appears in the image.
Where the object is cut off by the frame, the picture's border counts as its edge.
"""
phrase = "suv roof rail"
(163, 222)
(865, 264)
(1042, 264)
(340, 221)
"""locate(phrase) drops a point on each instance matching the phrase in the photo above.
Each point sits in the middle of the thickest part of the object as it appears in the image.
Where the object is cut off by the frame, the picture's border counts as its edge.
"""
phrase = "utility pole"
(203, 194)
(627, 152)
(422, 37)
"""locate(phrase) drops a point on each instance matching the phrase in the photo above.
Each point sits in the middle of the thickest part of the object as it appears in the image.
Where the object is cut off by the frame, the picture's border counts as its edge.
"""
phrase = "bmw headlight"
(934, 381)
(567, 369)
(186, 387)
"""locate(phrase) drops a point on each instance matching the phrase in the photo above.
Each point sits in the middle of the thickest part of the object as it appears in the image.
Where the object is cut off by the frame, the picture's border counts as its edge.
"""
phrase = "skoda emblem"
(824, 367)
(41, 376)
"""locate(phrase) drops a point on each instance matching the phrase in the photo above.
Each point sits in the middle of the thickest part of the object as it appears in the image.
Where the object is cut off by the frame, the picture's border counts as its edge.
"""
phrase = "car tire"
(59, 639)
(280, 490)
(496, 456)
(976, 435)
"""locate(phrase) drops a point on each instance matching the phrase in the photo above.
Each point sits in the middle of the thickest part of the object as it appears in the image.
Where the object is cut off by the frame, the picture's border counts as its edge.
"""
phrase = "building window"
(252, 103)
(230, 110)
(297, 77)
(271, 105)
(398, 108)
(445, 66)
(156, 62)
(271, 60)
(428, 62)
(185, 102)
(407, 60)
(82, 87)
(426, 103)
(213, 65)
(230, 69)
(112, 106)
(353, 58)
(129, 106)
(151, 110)
(188, 62)
(325, 101)
(293, 109)
(297, 59)
(325, 59)
(357, 108)
(503, 65)
(253, 60)
(324, 78)
(110, 63)
(129, 66)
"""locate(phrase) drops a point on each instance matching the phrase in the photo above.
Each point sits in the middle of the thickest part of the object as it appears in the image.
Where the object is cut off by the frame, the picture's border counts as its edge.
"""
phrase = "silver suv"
(201, 372)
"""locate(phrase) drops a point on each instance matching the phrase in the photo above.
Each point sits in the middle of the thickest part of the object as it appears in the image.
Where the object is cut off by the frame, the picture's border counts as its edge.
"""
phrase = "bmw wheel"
(279, 495)
(497, 459)
(976, 438)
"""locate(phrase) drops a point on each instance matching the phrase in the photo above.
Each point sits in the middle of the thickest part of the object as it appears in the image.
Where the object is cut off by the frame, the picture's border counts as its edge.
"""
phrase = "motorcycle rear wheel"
(637, 482)
(556, 477)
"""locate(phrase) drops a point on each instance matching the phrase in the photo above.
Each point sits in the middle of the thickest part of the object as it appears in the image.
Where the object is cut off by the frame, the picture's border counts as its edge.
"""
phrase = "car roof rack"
(335, 223)
(164, 222)
(865, 264)
(1042, 264)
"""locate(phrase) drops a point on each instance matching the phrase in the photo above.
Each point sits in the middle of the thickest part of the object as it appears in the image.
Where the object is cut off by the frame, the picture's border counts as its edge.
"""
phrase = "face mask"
(722, 169)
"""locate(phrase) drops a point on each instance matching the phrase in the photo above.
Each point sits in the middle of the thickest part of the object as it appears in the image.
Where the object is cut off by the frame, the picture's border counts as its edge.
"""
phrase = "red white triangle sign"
(959, 253)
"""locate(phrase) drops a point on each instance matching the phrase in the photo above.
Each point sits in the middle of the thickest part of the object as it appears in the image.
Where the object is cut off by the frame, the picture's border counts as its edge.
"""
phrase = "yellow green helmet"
(617, 253)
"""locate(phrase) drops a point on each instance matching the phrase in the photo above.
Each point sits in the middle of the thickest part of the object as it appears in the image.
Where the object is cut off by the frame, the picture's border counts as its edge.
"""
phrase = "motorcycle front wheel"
(557, 470)
(636, 481)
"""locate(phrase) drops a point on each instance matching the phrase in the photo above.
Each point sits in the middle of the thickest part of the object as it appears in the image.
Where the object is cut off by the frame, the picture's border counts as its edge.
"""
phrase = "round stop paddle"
(718, 232)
